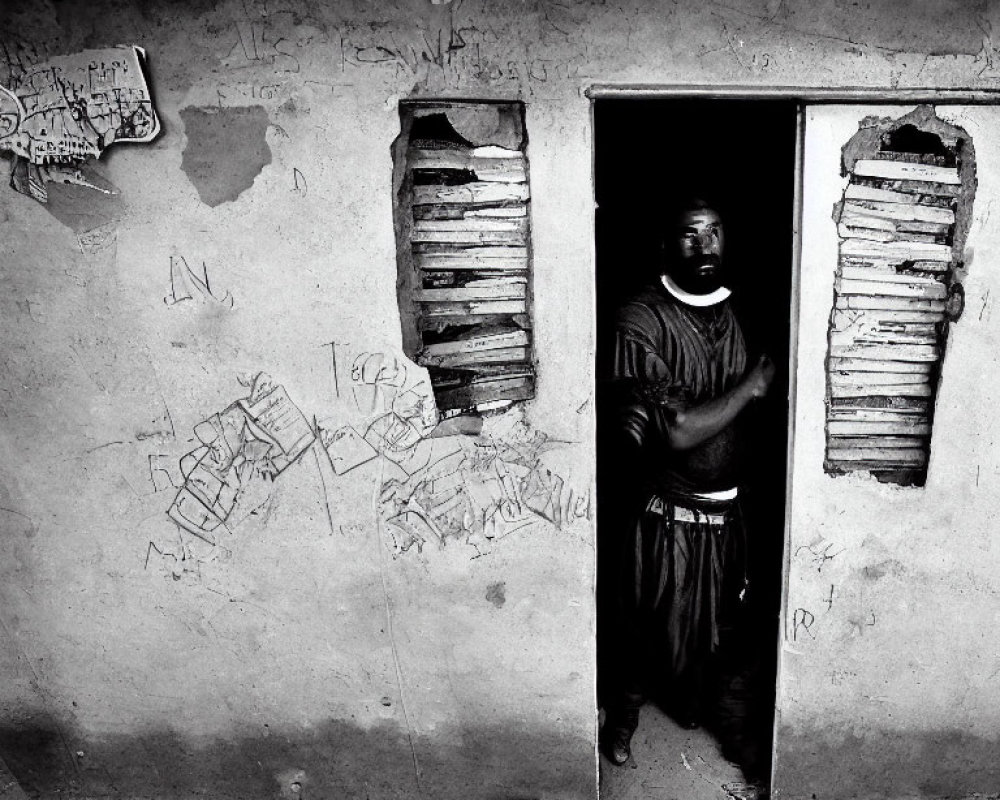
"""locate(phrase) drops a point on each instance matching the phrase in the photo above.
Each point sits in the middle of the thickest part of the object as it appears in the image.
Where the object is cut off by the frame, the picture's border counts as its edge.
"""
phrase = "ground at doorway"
(669, 763)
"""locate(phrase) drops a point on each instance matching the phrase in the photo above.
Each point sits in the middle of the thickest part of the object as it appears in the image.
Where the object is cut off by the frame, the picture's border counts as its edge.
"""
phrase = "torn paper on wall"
(70, 109)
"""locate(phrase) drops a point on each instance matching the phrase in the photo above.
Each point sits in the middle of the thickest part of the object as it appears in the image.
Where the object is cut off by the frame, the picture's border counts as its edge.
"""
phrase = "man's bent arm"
(690, 427)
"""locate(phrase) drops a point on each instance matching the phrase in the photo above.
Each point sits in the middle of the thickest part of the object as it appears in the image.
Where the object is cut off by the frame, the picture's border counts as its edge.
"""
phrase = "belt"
(658, 505)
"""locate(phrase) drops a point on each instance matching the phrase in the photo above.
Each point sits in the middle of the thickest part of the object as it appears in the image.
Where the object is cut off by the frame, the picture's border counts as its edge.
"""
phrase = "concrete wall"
(886, 663)
(309, 654)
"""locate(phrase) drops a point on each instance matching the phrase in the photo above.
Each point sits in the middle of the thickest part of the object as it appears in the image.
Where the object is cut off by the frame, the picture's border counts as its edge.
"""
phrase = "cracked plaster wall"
(310, 660)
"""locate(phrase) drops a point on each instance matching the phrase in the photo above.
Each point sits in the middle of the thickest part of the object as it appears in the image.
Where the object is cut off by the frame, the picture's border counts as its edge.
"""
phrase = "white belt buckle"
(685, 514)
(682, 514)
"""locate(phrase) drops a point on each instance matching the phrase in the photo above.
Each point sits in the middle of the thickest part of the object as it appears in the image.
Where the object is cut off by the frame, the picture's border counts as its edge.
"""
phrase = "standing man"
(681, 382)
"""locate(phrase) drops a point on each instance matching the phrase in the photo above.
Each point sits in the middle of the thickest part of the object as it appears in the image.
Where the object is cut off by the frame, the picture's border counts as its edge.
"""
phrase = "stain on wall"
(226, 150)
(334, 759)
(496, 594)
(79, 207)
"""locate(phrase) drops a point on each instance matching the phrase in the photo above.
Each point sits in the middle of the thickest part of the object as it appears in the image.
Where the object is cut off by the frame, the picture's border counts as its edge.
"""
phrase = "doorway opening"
(739, 156)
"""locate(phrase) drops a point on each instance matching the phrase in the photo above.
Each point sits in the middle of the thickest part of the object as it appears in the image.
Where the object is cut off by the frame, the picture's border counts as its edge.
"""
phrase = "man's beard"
(699, 274)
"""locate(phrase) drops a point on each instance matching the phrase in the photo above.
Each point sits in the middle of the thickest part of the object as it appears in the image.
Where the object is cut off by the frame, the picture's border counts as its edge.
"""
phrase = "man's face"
(697, 262)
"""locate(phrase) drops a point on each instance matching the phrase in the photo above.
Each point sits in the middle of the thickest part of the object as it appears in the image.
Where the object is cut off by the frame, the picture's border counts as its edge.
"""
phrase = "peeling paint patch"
(80, 208)
(60, 113)
(226, 150)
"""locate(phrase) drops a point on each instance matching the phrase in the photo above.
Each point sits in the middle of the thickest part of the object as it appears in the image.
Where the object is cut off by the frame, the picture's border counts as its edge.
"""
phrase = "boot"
(617, 735)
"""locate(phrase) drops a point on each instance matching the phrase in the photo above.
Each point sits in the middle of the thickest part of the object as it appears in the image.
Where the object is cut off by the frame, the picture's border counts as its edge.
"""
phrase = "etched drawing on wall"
(439, 480)
(476, 490)
(902, 223)
(253, 439)
(56, 115)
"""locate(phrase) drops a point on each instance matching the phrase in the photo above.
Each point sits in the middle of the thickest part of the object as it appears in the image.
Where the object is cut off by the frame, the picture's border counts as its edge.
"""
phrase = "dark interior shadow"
(740, 156)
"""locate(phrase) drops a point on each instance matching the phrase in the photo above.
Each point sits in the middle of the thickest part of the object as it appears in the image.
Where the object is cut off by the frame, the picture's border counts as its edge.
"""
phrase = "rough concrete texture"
(10, 789)
(886, 665)
(302, 658)
(669, 762)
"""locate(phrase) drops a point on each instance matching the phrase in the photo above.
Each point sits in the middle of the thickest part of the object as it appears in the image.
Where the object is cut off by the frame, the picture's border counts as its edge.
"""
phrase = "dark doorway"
(740, 156)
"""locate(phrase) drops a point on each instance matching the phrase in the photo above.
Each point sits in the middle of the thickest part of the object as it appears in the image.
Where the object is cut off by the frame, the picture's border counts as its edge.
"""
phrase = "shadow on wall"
(946, 763)
(336, 759)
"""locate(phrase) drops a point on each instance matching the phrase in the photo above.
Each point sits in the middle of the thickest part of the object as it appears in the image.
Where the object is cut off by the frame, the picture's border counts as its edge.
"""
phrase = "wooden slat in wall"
(469, 239)
(896, 258)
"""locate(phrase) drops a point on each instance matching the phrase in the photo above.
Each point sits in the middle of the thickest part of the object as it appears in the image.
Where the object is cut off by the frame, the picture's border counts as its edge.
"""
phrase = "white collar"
(699, 300)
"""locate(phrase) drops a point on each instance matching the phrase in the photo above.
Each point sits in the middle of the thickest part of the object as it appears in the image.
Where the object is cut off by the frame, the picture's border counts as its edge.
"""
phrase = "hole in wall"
(902, 223)
(463, 251)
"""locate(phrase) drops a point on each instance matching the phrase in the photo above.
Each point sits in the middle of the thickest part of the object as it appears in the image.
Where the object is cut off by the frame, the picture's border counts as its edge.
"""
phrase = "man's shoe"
(619, 746)
(617, 735)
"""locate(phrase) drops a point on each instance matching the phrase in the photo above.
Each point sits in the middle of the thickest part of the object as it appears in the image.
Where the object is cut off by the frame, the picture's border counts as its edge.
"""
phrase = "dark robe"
(680, 566)
(670, 356)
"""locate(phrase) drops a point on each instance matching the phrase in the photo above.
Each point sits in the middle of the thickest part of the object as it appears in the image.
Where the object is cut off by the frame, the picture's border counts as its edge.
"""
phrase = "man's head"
(693, 245)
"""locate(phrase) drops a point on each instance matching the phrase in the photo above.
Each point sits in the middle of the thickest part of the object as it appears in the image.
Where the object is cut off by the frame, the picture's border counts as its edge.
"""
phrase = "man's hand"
(759, 378)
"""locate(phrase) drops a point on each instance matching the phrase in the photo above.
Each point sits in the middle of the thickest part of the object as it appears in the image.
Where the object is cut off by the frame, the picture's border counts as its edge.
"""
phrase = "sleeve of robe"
(648, 394)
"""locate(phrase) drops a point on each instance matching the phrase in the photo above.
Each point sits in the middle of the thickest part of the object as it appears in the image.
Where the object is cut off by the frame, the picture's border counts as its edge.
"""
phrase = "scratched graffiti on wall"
(56, 115)
(479, 491)
(192, 283)
(441, 480)
(256, 438)
(449, 478)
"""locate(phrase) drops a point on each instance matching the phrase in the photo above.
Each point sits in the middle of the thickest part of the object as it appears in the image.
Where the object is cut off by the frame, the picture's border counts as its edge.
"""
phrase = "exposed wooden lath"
(466, 250)
(901, 237)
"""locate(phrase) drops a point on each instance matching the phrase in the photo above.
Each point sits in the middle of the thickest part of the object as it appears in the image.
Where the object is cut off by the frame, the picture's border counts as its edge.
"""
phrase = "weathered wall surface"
(308, 653)
(886, 663)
